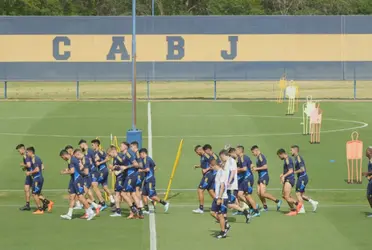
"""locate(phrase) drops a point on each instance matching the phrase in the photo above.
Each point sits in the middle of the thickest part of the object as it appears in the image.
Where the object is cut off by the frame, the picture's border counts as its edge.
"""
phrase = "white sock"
(70, 212)
(89, 211)
(78, 203)
(141, 203)
(311, 201)
(95, 205)
(112, 199)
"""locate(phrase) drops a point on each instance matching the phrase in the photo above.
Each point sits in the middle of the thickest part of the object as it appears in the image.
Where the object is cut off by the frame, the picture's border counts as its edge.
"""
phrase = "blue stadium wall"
(186, 48)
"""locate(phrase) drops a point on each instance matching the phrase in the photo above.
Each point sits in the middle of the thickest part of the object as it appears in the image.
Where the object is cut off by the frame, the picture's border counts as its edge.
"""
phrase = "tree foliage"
(186, 7)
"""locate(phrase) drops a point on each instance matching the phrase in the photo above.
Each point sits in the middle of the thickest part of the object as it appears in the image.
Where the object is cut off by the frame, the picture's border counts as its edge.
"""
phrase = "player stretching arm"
(369, 177)
(263, 179)
(288, 180)
(302, 180)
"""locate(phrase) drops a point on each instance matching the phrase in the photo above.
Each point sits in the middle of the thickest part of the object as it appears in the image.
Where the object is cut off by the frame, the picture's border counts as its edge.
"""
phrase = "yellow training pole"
(174, 169)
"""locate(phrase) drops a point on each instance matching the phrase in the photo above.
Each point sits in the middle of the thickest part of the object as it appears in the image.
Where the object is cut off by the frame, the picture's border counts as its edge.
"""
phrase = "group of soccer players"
(229, 180)
(88, 169)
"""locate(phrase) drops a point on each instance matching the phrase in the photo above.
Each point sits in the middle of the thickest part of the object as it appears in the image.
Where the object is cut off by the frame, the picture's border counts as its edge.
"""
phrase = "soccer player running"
(70, 151)
(28, 181)
(302, 179)
(263, 179)
(36, 172)
(89, 168)
(230, 168)
(130, 186)
(207, 181)
(76, 184)
(369, 177)
(246, 180)
(141, 175)
(101, 176)
(119, 168)
(149, 190)
(87, 178)
(220, 201)
(287, 178)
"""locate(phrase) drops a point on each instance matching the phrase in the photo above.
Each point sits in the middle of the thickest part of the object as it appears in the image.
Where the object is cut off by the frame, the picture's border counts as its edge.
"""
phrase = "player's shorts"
(290, 181)
(130, 183)
(87, 181)
(140, 179)
(76, 186)
(231, 196)
(264, 179)
(246, 185)
(207, 182)
(119, 184)
(220, 209)
(37, 185)
(301, 184)
(94, 176)
(28, 181)
(149, 188)
(103, 177)
(369, 188)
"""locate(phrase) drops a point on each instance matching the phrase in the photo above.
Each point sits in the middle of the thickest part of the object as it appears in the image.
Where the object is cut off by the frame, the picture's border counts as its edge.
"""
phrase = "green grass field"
(340, 222)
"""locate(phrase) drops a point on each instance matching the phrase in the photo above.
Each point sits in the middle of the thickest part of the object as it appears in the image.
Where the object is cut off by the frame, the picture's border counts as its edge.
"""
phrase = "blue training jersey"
(131, 157)
(26, 161)
(300, 163)
(288, 165)
(74, 163)
(90, 156)
(205, 162)
(99, 156)
(119, 160)
(243, 162)
(261, 161)
(36, 163)
(148, 163)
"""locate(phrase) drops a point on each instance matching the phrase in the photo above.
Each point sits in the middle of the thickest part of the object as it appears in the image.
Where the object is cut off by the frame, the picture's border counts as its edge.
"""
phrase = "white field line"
(360, 125)
(194, 189)
(152, 221)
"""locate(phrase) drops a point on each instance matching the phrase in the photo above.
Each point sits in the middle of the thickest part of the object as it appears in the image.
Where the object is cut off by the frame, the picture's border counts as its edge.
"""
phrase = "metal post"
(6, 90)
(153, 8)
(77, 90)
(134, 109)
(215, 89)
(355, 94)
(148, 89)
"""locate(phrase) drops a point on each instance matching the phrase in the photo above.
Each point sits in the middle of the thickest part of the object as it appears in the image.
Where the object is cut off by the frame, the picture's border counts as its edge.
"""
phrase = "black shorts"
(301, 184)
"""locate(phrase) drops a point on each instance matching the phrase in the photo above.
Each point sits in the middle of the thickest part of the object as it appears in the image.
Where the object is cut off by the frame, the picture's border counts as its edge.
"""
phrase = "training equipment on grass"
(315, 124)
(307, 108)
(354, 156)
(282, 86)
(174, 169)
(290, 93)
